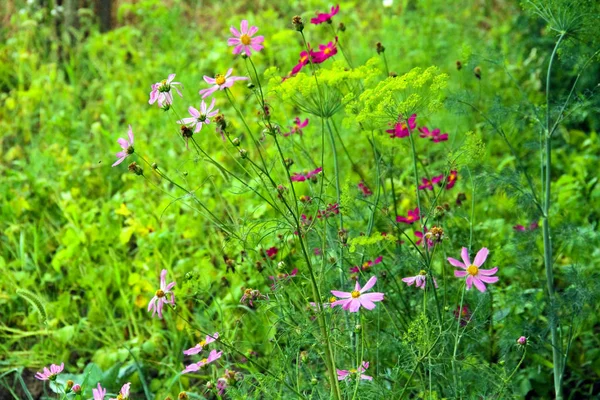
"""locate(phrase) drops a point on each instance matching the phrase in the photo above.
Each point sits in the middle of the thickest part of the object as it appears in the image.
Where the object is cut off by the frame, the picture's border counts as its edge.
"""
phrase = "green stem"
(456, 342)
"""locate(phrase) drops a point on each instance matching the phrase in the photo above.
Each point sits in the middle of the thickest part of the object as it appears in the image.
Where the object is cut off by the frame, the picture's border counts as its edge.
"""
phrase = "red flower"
(428, 184)
(366, 265)
(296, 177)
(435, 135)
(272, 252)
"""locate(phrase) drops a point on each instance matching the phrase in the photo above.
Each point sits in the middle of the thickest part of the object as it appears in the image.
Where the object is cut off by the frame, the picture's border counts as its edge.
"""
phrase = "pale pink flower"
(214, 355)
(475, 275)
(161, 91)
(124, 392)
(127, 147)
(200, 118)
(220, 82)
(243, 39)
(352, 301)
(160, 298)
(345, 374)
(50, 374)
(419, 280)
(198, 348)
(99, 393)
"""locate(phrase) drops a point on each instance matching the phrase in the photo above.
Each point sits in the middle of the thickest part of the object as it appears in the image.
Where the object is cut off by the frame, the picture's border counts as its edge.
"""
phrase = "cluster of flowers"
(403, 129)
(438, 180)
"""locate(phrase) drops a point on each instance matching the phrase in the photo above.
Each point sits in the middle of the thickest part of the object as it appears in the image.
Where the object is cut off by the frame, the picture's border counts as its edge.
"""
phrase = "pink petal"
(235, 32)
(366, 377)
(469, 281)
(410, 280)
(252, 30)
(341, 295)
(366, 303)
(130, 135)
(456, 263)
(373, 296)
(229, 71)
(244, 27)
(488, 279)
(151, 304)
(342, 303)
(169, 287)
(163, 279)
(170, 78)
(460, 274)
(209, 80)
(119, 161)
(488, 272)
(370, 283)
(465, 256)
(353, 305)
(123, 143)
(238, 49)
(478, 284)
(207, 92)
(187, 121)
(233, 41)
(193, 112)
(481, 257)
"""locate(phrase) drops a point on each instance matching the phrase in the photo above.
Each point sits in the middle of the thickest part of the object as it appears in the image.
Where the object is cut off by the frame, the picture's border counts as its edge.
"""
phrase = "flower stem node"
(136, 169)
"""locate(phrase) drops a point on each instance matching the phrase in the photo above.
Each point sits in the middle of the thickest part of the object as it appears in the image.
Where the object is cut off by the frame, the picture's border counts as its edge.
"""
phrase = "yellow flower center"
(366, 265)
(472, 270)
(422, 272)
(160, 293)
(355, 294)
(202, 343)
(332, 299)
(327, 51)
(204, 360)
(120, 397)
(220, 79)
(245, 39)
(352, 370)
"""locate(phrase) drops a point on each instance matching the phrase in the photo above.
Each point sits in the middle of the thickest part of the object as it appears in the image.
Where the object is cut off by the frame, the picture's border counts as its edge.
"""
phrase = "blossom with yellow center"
(161, 296)
(473, 272)
(354, 300)
(243, 39)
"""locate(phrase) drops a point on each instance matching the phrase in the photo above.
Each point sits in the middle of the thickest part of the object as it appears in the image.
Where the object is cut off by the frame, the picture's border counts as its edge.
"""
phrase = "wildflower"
(221, 386)
(198, 348)
(271, 252)
(127, 147)
(325, 52)
(50, 374)
(282, 276)
(331, 210)
(520, 228)
(435, 135)
(250, 295)
(244, 41)
(379, 48)
(183, 396)
(298, 23)
(296, 177)
(436, 234)
(69, 386)
(220, 82)
(428, 184)
(477, 72)
(160, 298)
(364, 189)
(123, 393)
(99, 393)
(451, 181)
(475, 275)
(464, 314)
(419, 280)
(352, 301)
(297, 128)
(345, 374)
(212, 356)
(366, 265)
(200, 118)
(305, 57)
(413, 215)
(420, 235)
(77, 388)
(325, 17)
(161, 92)
(401, 130)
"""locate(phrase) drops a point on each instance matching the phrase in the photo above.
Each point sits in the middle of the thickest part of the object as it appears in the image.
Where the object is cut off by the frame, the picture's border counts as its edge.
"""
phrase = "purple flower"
(161, 91)
(220, 82)
(345, 374)
(325, 17)
(160, 298)
(522, 341)
(127, 147)
(435, 135)
(200, 118)
(420, 280)
(50, 374)
(401, 130)
(366, 265)
(244, 41)
(214, 355)
(352, 301)
(123, 393)
(99, 393)
(198, 348)
(475, 275)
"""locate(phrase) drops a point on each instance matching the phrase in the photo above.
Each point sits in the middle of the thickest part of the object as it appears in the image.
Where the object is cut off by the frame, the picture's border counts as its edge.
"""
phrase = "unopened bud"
(357, 328)
(136, 169)
(288, 162)
(342, 27)
(522, 341)
(314, 381)
(477, 72)
(183, 396)
(379, 47)
(243, 153)
(154, 165)
(235, 142)
(458, 65)
(220, 121)
(250, 86)
(210, 385)
(297, 23)
(244, 55)
(69, 386)
(77, 388)
(392, 74)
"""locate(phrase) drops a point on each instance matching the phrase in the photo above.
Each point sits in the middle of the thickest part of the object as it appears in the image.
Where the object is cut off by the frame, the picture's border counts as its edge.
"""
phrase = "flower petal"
(456, 263)
(488, 279)
(370, 283)
(341, 295)
(488, 272)
(478, 284)
(481, 257)
(465, 257)
(460, 274)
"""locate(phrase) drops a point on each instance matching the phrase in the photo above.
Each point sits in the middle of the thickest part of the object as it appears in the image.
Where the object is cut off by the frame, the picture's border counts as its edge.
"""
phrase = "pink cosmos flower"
(520, 228)
(160, 298)
(435, 135)
(296, 177)
(366, 265)
(305, 57)
(413, 215)
(220, 82)
(161, 92)
(123, 393)
(297, 128)
(325, 17)
(330, 211)
(428, 184)
(271, 252)
(419, 234)
(419, 280)
(345, 374)
(366, 192)
(401, 130)
(244, 41)
(282, 277)
(451, 181)
(212, 356)
(127, 147)
(200, 118)
(352, 301)
(198, 348)
(51, 373)
(99, 393)
(325, 52)
(464, 314)
(475, 275)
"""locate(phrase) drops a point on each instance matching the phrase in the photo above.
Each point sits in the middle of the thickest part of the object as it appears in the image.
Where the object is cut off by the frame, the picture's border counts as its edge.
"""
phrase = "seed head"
(379, 47)
(297, 23)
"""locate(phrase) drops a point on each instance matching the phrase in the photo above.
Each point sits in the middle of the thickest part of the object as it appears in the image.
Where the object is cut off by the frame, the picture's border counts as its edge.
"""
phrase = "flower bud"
(522, 341)
(458, 65)
(393, 74)
(297, 23)
(183, 396)
(236, 142)
(477, 72)
(77, 388)
(186, 131)
(281, 264)
(342, 27)
(288, 162)
(244, 55)
(220, 121)
(314, 381)
(379, 47)
(154, 165)
(250, 86)
(69, 386)
(243, 153)
(166, 107)
(210, 385)
(136, 169)
(357, 328)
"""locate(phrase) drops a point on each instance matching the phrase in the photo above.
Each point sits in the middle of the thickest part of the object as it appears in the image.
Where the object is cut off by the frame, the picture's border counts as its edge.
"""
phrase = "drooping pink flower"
(297, 128)
(451, 181)
(305, 58)
(413, 215)
(160, 298)
(50, 374)
(271, 252)
(307, 175)
(401, 130)
(520, 228)
(161, 92)
(345, 374)
(198, 348)
(428, 184)
(220, 82)
(352, 301)
(419, 280)
(463, 314)
(243, 39)
(124, 392)
(282, 277)
(200, 118)
(419, 242)
(366, 192)
(325, 52)
(99, 393)
(325, 17)
(127, 147)
(475, 275)
(212, 356)
(435, 135)
(330, 211)
(366, 265)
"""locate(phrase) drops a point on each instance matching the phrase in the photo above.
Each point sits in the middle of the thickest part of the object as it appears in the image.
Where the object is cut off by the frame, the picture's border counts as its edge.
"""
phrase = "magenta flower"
(99, 393)
(161, 92)
(305, 57)
(435, 135)
(462, 314)
(522, 341)
(123, 393)
(520, 228)
(419, 234)
(50, 374)
(413, 215)
(366, 265)
(307, 175)
(282, 277)
(244, 41)
(271, 252)
(352, 301)
(451, 181)
(198, 348)
(475, 275)
(366, 192)
(401, 130)
(345, 374)
(428, 184)
(160, 298)
(419, 280)
(330, 211)
(127, 147)
(220, 82)
(213, 355)
(325, 52)
(297, 128)
(325, 17)
(200, 118)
